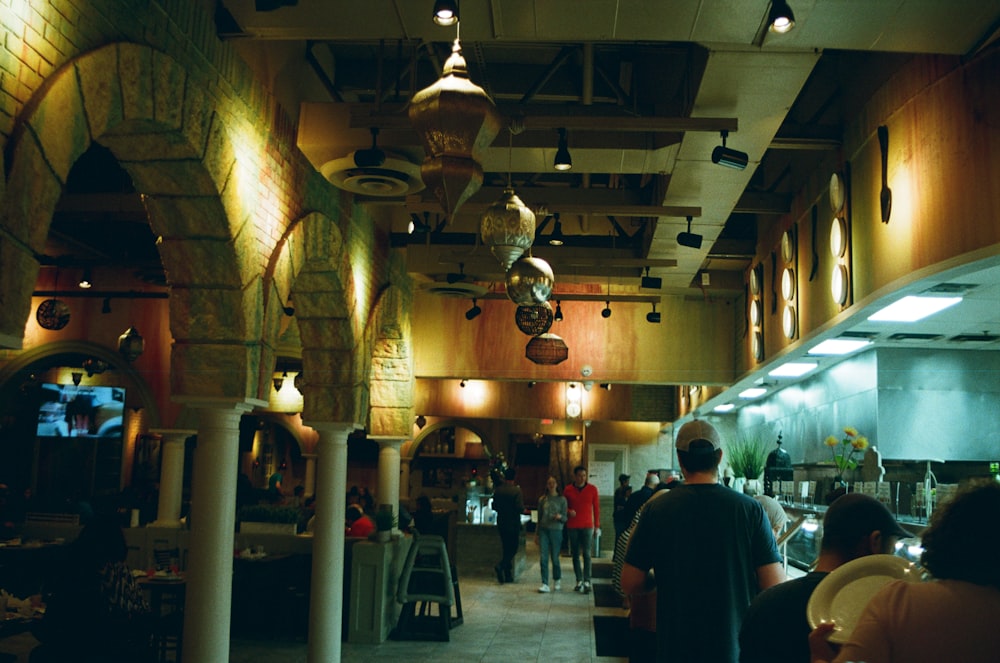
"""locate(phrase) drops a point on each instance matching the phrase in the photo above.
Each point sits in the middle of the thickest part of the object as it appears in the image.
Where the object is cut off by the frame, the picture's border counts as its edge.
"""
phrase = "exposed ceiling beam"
(472, 206)
(579, 297)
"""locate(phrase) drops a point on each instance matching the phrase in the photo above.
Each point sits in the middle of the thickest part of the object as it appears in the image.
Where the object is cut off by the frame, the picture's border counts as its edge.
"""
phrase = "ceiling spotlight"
(780, 19)
(462, 384)
(728, 157)
(85, 280)
(558, 316)
(652, 282)
(653, 316)
(606, 313)
(563, 160)
(556, 238)
(446, 12)
(689, 239)
(606, 386)
(531, 384)
(474, 311)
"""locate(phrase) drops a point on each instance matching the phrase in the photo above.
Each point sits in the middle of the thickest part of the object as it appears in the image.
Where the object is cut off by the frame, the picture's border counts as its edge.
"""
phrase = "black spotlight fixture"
(462, 384)
(373, 157)
(531, 384)
(563, 160)
(653, 316)
(87, 280)
(728, 157)
(606, 313)
(689, 239)
(652, 282)
(606, 386)
(474, 311)
(556, 238)
(780, 19)
(558, 316)
(446, 12)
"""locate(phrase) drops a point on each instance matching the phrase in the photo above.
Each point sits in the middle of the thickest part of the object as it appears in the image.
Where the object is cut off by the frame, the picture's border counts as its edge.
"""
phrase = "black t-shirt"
(704, 543)
(775, 628)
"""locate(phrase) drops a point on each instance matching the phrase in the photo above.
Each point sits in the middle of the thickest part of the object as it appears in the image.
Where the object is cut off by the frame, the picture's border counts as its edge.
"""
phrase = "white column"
(207, 606)
(310, 484)
(168, 511)
(387, 491)
(326, 599)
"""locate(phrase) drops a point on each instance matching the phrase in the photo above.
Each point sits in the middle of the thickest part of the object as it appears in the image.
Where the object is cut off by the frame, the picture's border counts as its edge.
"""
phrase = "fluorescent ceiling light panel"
(725, 407)
(793, 369)
(753, 392)
(839, 346)
(913, 308)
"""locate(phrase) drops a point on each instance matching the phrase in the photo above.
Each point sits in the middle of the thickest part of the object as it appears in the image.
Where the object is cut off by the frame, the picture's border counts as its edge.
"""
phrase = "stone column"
(207, 606)
(310, 484)
(168, 511)
(326, 599)
(387, 491)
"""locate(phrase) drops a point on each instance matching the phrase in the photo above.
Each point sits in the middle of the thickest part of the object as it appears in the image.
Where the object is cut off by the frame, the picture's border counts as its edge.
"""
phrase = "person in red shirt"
(584, 511)
(358, 523)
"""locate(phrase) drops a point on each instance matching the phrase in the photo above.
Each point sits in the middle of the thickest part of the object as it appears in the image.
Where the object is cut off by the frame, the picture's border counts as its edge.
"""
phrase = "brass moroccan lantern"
(529, 281)
(508, 228)
(547, 349)
(131, 344)
(534, 320)
(456, 120)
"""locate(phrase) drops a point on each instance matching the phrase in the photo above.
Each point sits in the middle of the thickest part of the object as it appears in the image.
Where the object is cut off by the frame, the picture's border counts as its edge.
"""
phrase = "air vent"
(974, 338)
(465, 290)
(395, 177)
(913, 337)
(950, 289)
(868, 335)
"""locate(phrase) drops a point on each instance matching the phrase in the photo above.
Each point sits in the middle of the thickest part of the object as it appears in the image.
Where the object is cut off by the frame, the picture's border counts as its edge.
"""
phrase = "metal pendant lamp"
(508, 225)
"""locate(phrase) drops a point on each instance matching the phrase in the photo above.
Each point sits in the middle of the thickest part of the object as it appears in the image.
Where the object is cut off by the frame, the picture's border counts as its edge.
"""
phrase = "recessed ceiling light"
(753, 392)
(913, 308)
(839, 346)
(792, 369)
(725, 407)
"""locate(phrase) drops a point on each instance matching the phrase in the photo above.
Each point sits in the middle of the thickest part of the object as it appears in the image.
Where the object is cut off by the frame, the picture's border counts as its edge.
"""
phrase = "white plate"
(841, 596)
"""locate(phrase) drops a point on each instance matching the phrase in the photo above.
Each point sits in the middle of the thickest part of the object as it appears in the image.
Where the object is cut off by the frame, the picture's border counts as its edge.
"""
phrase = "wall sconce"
(94, 366)
(131, 344)
(728, 157)
(563, 160)
(77, 377)
(574, 397)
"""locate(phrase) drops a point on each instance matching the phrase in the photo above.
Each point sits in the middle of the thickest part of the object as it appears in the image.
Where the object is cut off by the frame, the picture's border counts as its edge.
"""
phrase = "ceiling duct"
(459, 289)
(396, 176)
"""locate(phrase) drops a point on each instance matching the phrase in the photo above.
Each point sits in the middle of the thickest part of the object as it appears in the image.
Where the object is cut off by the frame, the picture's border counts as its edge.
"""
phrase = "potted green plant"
(385, 522)
(262, 518)
(747, 457)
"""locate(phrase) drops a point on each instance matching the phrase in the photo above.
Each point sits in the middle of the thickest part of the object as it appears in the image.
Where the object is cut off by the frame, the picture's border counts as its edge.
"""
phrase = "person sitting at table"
(358, 522)
(96, 611)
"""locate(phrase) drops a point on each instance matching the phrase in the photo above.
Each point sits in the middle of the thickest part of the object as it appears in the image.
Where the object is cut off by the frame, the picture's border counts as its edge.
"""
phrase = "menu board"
(601, 473)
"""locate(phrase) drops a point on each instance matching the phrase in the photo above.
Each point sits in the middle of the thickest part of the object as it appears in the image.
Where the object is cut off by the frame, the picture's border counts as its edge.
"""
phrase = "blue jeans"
(580, 540)
(550, 541)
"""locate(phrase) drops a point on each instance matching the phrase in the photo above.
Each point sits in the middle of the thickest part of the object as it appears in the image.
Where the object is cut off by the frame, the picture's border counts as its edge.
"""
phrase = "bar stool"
(426, 579)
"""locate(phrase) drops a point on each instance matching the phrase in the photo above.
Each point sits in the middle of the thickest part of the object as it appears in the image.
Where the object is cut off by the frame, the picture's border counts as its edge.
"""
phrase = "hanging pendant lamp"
(457, 121)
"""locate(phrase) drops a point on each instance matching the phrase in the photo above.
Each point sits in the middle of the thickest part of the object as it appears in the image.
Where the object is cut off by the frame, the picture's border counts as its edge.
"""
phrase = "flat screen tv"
(68, 410)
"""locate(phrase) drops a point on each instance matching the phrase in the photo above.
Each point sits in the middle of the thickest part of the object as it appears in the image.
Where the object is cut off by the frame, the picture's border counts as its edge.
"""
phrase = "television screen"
(68, 410)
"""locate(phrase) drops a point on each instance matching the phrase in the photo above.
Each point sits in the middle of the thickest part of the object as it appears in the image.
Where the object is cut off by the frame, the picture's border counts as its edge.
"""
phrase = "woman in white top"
(548, 534)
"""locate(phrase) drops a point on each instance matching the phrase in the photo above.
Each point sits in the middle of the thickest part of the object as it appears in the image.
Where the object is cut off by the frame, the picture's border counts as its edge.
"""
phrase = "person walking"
(618, 515)
(711, 550)
(548, 534)
(509, 505)
(584, 523)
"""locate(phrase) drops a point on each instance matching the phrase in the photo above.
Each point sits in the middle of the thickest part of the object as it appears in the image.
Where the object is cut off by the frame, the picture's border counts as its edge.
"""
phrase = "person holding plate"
(950, 618)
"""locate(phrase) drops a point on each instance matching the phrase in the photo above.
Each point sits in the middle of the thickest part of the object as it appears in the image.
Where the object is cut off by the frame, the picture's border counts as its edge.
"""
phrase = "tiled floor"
(512, 622)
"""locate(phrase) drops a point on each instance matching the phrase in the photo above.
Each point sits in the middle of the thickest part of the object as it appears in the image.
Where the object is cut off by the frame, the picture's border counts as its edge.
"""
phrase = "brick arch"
(392, 381)
(334, 385)
(140, 104)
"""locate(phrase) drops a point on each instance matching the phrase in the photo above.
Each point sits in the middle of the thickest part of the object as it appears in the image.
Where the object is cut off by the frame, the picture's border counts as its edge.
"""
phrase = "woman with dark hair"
(948, 618)
(96, 611)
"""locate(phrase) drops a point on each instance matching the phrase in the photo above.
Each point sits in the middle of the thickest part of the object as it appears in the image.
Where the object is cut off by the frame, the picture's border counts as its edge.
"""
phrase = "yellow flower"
(860, 443)
(851, 431)
(831, 441)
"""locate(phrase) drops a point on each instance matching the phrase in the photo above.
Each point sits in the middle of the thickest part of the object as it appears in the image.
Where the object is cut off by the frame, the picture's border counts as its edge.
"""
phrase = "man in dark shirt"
(509, 505)
(711, 550)
(775, 629)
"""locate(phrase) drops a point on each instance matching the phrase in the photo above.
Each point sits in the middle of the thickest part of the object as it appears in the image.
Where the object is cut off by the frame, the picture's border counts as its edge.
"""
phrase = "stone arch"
(445, 423)
(334, 384)
(392, 381)
(140, 104)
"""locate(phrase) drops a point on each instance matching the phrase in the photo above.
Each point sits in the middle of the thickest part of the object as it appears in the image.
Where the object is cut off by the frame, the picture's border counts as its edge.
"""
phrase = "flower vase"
(838, 487)
(753, 487)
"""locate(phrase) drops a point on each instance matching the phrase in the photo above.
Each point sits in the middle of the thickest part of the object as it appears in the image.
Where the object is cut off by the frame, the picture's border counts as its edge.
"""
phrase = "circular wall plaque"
(788, 283)
(838, 193)
(52, 314)
(838, 238)
(787, 246)
(754, 312)
(754, 282)
(788, 322)
(838, 285)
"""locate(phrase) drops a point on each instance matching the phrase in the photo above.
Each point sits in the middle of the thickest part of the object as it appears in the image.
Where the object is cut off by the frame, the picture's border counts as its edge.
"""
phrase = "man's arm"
(770, 575)
(634, 580)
